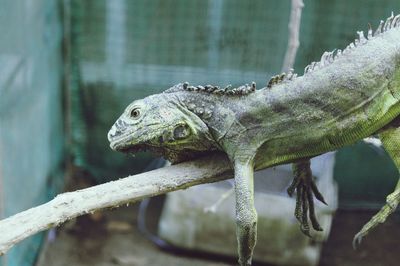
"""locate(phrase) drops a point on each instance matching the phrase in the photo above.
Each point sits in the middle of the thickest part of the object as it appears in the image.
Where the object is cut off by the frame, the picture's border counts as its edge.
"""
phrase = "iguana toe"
(293, 186)
(305, 227)
(316, 192)
(313, 218)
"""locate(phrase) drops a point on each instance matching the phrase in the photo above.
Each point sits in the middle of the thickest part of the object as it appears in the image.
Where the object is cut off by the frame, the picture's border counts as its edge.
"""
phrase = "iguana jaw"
(144, 139)
(122, 144)
(170, 142)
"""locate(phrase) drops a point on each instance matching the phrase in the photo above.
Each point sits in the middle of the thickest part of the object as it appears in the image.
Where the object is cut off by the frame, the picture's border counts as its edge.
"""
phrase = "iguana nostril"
(120, 124)
(114, 132)
(117, 132)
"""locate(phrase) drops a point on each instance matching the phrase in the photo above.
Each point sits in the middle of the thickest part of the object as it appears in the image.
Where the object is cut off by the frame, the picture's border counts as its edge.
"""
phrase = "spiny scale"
(281, 78)
(239, 91)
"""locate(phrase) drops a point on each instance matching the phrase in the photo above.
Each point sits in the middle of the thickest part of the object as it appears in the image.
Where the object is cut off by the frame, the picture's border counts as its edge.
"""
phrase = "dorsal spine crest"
(228, 90)
(329, 57)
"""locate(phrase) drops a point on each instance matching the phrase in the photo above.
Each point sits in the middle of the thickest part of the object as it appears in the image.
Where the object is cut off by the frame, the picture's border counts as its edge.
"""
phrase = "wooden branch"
(112, 194)
(294, 35)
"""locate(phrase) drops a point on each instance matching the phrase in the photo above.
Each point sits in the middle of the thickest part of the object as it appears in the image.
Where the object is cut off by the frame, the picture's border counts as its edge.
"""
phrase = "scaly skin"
(344, 98)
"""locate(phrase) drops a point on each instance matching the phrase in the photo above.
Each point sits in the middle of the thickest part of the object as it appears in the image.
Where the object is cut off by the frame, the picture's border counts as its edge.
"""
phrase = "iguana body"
(345, 97)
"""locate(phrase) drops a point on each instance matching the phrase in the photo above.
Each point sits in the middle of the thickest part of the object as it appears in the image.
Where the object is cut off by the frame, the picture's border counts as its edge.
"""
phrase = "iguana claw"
(305, 188)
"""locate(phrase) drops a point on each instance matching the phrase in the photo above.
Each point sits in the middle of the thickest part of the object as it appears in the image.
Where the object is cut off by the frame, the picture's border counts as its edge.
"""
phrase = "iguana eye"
(135, 113)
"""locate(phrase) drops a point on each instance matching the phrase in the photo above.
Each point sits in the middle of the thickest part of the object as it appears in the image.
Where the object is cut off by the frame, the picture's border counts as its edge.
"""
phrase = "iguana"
(347, 96)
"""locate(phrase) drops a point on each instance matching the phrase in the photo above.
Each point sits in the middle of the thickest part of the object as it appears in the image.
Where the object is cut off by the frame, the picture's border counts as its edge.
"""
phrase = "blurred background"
(68, 69)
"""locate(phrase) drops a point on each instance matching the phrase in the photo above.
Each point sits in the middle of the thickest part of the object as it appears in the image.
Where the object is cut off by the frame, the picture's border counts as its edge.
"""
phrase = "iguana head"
(161, 124)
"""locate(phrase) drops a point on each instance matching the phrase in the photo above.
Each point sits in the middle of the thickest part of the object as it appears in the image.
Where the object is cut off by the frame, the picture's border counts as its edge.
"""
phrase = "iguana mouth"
(132, 149)
(121, 145)
(117, 143)
(157, 151)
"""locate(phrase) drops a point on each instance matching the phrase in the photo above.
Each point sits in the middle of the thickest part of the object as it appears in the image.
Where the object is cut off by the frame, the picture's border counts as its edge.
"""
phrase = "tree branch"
(294, 35)
(112, 194)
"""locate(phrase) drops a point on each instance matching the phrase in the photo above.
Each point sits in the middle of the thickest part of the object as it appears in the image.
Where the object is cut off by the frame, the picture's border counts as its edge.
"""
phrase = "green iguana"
(347, 96)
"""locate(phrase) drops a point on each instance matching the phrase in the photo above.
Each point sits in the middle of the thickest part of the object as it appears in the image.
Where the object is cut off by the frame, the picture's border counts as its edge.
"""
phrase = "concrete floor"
(112, 238)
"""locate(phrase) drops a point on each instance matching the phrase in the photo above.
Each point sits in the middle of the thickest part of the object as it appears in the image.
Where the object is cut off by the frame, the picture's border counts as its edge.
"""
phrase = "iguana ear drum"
(181, 132)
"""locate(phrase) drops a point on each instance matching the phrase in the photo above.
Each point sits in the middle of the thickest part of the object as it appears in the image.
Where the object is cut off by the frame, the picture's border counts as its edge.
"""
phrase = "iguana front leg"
(246, 215)
(391, 142)
(305, 188)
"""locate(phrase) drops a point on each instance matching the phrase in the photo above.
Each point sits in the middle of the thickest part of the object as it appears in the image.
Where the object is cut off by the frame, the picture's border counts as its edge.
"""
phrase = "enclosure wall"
(31, 122)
